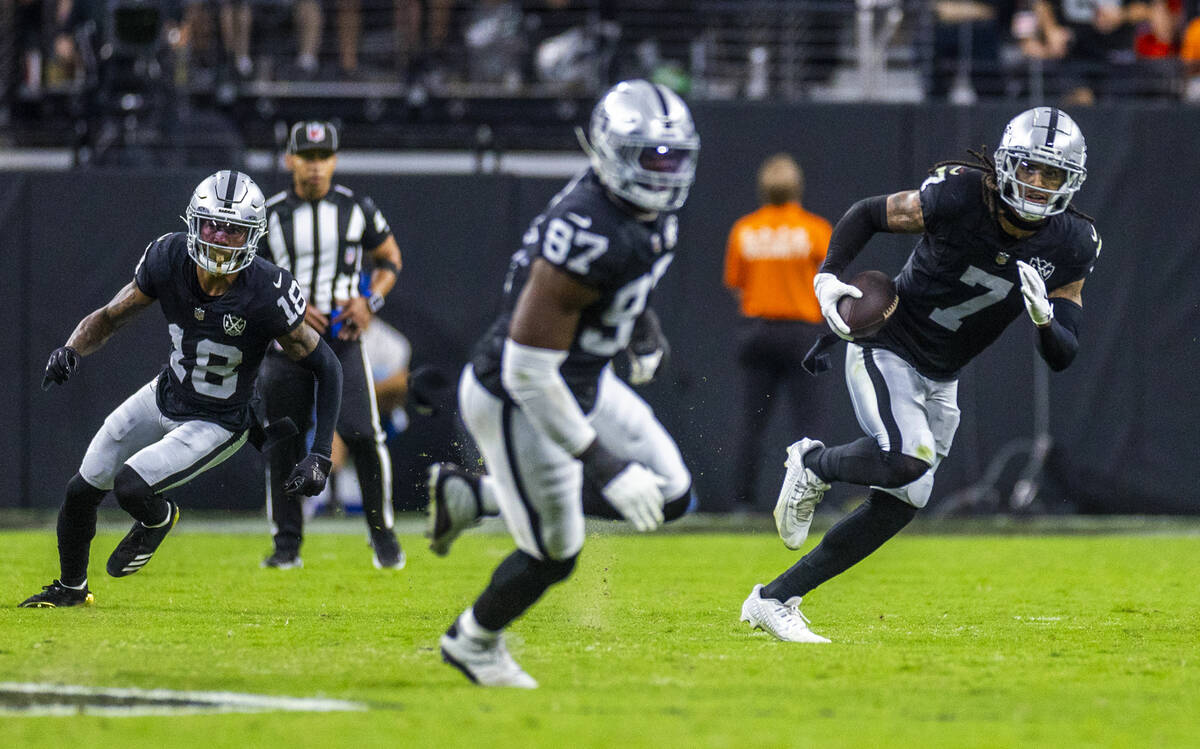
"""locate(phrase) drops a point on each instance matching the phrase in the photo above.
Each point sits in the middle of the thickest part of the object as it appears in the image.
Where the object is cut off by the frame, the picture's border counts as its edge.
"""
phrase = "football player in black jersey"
(998, 239)
(223, 306)
(558, 431)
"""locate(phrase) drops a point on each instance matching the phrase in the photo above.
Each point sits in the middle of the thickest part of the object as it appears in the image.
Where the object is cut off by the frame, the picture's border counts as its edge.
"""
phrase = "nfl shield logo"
(1001, 258)
(198, 313)
(234, 325)
(315, 132)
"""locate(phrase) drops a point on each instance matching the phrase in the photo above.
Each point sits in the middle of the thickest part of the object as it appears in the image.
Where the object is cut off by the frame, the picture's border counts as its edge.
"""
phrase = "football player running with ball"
(998, 239)
(557, 429)
(224, 306)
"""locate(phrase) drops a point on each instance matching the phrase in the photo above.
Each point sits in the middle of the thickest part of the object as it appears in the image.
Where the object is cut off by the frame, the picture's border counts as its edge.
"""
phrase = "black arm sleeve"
(853, 231)
(325, 365)
(1058, 342)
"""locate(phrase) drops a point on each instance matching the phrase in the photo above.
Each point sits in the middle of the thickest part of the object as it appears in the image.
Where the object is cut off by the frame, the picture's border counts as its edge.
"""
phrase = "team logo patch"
(1044, 267)
(198, 313)
(234, 325)
(315, 132)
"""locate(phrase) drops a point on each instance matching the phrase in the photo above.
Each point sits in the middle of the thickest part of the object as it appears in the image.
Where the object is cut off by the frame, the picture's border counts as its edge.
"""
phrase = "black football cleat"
(139, 545)
(387, 552)
(57, 596)
(282, 559)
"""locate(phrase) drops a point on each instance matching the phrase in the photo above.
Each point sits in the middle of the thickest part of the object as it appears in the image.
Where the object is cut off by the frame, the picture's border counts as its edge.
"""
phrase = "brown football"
(868, 314)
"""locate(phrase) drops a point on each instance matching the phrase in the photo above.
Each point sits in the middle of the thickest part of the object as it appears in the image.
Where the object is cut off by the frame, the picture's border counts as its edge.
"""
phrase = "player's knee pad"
(133, 493)
(915, 494)
(82, 495)
(673, 509)
(903, 469)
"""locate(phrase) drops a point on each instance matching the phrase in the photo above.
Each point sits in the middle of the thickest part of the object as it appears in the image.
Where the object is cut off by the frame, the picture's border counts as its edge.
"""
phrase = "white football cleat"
(485, 662)
(783, 620)
(802, 490)
(454, 505)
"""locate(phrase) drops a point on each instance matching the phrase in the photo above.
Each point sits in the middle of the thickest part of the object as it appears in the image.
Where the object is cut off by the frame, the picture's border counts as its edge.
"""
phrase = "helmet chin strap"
(1016, 219)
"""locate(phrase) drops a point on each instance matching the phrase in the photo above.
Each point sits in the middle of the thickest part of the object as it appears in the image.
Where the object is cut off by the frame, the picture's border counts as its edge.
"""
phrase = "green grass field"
(980, 639)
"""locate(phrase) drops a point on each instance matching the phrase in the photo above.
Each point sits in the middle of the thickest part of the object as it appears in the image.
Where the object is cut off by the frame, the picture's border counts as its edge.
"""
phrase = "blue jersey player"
(224, 306)
(999, 239)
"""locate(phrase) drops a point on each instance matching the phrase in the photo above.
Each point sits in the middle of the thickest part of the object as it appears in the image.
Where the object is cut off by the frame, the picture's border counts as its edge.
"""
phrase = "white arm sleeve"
(531, 376)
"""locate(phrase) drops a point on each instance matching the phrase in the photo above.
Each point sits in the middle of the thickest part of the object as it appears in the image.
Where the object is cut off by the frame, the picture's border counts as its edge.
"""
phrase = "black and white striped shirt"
(321, 242)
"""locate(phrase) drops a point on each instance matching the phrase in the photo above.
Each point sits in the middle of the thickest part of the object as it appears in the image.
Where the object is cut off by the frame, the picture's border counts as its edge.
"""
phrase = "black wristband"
(387, 265)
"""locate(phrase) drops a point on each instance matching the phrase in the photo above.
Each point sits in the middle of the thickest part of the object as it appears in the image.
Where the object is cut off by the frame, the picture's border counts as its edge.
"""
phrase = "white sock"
(472, 628)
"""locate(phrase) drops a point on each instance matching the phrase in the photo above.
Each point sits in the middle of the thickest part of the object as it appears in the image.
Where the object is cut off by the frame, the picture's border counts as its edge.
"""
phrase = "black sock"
(76, 529)
(517, 584)
(863, 462)
(847, 543)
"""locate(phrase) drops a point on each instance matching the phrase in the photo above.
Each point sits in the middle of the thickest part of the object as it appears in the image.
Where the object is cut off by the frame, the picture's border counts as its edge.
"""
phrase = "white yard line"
(67, 699)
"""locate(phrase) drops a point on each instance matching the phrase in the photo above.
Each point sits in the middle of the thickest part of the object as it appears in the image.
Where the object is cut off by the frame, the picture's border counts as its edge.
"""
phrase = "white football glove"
(1033, 288)
(829, 290)
(636, 492)
(643, 368)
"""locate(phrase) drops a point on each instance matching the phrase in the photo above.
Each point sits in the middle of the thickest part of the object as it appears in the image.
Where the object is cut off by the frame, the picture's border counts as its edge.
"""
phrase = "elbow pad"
(531, 377)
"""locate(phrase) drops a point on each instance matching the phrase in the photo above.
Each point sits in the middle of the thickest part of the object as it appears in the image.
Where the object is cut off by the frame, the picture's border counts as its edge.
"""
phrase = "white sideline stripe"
(210, 702)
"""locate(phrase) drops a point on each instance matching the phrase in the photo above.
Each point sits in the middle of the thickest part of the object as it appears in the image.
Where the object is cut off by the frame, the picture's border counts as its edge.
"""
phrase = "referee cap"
(313, 135)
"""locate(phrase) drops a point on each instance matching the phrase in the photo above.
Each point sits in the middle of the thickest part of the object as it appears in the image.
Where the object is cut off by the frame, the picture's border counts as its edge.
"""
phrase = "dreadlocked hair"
(991, 189)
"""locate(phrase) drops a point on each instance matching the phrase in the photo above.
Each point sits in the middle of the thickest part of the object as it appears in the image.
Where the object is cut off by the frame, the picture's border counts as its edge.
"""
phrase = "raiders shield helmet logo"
(234, 325)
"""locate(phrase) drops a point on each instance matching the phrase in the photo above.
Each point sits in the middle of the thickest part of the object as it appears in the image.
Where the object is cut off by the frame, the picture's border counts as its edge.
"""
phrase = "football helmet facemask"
(230, 200)
(643, 145)
(1040, 138)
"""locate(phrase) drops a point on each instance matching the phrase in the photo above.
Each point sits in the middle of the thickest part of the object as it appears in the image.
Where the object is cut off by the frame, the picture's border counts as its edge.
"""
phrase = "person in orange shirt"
(770, 260)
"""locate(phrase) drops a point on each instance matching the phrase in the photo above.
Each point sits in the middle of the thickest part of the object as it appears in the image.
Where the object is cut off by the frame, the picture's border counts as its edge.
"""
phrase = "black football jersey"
(586, 234)
(960, 287)
(321, 241)
(217, 343)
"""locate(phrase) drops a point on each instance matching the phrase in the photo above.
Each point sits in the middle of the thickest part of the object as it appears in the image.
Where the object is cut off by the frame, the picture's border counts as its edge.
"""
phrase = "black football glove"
(64, 361)
(309, 476)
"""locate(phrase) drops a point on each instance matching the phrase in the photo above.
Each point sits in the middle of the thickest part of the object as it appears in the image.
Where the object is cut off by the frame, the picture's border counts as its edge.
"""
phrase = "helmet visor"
(666, 159)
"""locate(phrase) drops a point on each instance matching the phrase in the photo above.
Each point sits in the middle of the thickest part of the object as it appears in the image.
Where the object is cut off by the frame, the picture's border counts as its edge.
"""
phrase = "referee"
(320, 232)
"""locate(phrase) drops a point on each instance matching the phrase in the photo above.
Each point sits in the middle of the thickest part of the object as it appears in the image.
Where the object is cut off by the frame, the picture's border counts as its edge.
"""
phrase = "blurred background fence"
(457, 118)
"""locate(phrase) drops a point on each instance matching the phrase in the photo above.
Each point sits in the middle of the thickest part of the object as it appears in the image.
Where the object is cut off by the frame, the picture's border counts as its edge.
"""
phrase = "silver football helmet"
(643, 145)
(1048, 137)
(230, 200)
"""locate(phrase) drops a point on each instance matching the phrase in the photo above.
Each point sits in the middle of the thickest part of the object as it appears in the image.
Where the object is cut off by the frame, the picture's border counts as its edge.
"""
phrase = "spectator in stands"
(771, 259)
(967, 41)
(235, 22)
(1098, 38)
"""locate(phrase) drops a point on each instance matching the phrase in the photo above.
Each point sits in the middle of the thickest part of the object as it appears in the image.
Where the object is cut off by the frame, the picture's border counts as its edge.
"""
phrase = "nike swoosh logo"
(582, 222)
(279, 281)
